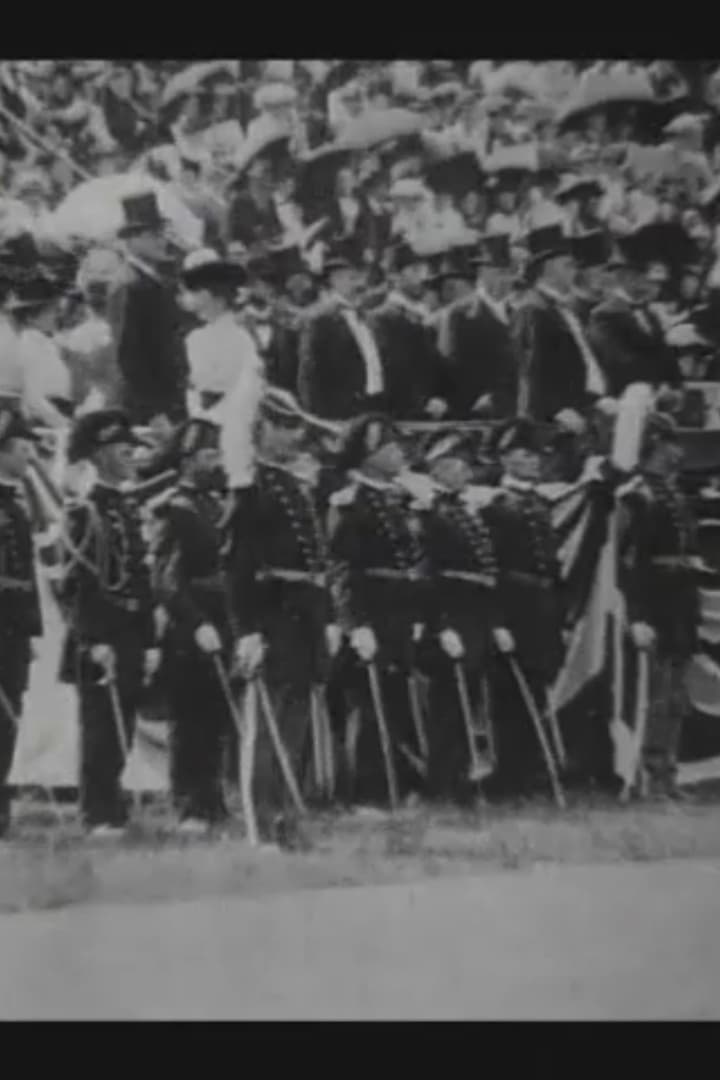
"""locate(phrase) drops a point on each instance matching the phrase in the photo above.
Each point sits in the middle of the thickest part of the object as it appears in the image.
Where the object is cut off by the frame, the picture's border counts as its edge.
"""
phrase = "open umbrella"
(192, 78)
(94, 211)
(601, 91)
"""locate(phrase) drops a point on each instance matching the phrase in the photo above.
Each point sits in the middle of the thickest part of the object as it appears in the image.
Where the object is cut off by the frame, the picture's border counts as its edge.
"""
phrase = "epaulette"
(344, 497)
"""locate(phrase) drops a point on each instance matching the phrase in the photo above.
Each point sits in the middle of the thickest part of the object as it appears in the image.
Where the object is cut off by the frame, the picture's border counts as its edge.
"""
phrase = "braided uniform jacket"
(20, 614)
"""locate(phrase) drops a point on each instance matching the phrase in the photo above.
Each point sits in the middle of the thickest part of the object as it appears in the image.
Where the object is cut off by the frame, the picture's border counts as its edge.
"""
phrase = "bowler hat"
(142, 213)
(95, 430)
(546, 242)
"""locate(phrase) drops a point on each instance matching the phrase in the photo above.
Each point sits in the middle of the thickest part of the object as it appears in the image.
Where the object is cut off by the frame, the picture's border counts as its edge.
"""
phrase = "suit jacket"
(626, 351)
(277, 342)
(251, 224)
(413, 367)
(332, 373)
(149, 350)
(481, 355)
(552, 368)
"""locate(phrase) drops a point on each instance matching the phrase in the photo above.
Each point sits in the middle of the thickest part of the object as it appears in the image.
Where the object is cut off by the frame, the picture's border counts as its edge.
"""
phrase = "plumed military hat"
(95, 430)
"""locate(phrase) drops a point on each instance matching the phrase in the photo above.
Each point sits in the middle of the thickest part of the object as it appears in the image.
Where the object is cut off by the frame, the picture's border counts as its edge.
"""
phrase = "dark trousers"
(367, 765)
(102, 801)
(14, 671)
(449, 751)
(290, 702)
(199, 724)
(519, 758)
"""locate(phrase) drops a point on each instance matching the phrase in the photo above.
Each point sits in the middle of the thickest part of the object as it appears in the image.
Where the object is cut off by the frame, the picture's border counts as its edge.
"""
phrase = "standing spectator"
(145, 319)
(253, 216)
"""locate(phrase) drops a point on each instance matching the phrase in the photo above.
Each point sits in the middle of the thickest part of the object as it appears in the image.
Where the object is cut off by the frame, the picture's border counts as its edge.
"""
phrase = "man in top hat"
(559, 375)
(145, 319)
(283, 612)
(528, 581)
(110, 649)
(625, 333)
(191, 588)
(376, 538)
(658, 577)
(591, 253)
(342, 370)
(477, 340)
(465, 620)
(20, 612)
(404, 330)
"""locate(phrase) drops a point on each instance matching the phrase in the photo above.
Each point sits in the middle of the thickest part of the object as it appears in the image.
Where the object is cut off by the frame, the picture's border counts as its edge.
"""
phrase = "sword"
(318, 749)
(487, 712)
(247, 735)
(476, 769)
(556, 735)
(117, 712)
(641, 712)
(279, 746)
(539, 731)
(326, 740)
(417, 715)
(379, 710)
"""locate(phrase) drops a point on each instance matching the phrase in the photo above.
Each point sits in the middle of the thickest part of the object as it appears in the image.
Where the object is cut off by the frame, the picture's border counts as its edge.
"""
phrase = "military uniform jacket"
(530, 586)
(630, 346)
(463, 573)
(658, 546)
(482, 358)
(187, 568)
(20, 615)
(278, 571)
(377, 539)
(106, 586)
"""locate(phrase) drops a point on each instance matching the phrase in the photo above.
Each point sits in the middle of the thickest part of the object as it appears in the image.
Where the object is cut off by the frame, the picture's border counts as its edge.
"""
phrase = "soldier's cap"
(95, 430)
(204, 269)
(13, 425)
(282, 408)
(366, 435)
(518, 434)
(449, 444)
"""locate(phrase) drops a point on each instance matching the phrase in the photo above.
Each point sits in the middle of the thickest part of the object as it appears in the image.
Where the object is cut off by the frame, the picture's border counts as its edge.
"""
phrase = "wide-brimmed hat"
(95, 430)
(205, 269)
(142, 214)
(494, 250)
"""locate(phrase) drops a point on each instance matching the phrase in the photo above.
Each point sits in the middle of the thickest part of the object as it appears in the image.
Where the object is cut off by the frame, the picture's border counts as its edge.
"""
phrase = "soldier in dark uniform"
(20, 614)
(108, 601)
(531, 599)
(376, 539)
(283, 611)
(464, 616)
(191, 587)
(658, 556)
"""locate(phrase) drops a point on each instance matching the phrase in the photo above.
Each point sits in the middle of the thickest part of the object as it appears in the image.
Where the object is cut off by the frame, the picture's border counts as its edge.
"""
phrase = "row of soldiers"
(394, 636)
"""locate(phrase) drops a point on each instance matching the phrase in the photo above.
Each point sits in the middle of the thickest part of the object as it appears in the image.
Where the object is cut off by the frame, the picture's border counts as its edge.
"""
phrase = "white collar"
(511, 483)
(484, 297)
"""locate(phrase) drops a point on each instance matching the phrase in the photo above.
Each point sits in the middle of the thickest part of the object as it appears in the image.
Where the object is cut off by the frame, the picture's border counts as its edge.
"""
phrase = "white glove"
(207, 639)
(483, 403)
(451, 644)
(571, 421)
(643, 636)
(436, 407)
(152, 662)
(504, 640)
(249, 653)
(104, 656)
(418, 631)
(364, 643)
(333, 638)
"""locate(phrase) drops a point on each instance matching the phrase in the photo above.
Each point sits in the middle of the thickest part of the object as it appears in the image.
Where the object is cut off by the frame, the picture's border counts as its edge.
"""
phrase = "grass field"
(44, 864)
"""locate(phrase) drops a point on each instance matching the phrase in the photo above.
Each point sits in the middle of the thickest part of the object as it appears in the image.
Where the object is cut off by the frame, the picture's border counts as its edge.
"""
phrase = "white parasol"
(94, 211)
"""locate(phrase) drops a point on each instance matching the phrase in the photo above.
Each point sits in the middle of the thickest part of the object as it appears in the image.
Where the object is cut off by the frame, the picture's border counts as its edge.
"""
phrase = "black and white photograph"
(359, 540)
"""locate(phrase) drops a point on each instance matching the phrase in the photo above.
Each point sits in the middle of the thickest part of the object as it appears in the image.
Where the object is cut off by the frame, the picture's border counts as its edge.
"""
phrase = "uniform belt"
(300, 577)
(530, 579)
(390, 574)
(15, 583)
(470, 577)
(673, 562)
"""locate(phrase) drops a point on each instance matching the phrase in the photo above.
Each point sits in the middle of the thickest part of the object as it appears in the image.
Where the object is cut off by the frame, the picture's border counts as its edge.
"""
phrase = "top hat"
(95, 430)
(590, 248)
(546, 242)
(404, 255)
(142, 214)
(494, 251)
